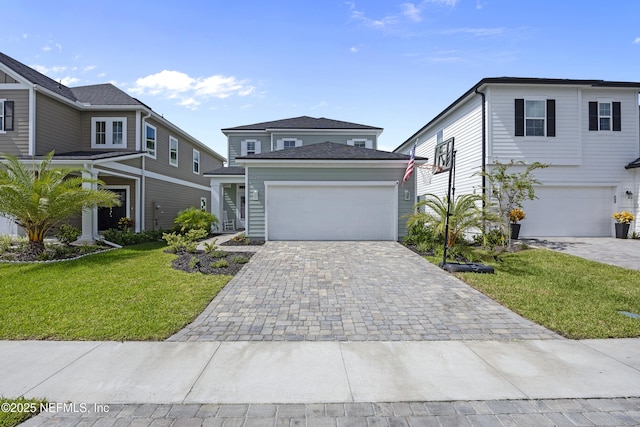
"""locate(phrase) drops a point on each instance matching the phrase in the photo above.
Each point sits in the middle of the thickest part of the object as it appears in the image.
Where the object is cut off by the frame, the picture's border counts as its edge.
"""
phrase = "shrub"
(125, 224)
(68, 234)
(516, 215)
(222, 263)
(217, 254)
(240, 238)
(187, 243)
(5, 242)
(193, 219)
(211, 247)
(239, 259)
(194, 262)
(623, 217)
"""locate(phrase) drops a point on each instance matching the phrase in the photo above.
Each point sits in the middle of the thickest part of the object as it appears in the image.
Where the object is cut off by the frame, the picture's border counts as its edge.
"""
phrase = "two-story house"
(308, 178)
(588, 131)
(154, 166)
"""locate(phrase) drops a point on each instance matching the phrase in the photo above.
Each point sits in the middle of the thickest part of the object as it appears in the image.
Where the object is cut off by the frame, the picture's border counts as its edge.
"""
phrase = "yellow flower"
(623, 217)
(516, 215)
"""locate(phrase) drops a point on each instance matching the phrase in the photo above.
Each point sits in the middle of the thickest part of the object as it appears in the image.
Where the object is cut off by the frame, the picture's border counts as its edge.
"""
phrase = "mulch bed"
(50, 254)
(242, 243)
(204, 262)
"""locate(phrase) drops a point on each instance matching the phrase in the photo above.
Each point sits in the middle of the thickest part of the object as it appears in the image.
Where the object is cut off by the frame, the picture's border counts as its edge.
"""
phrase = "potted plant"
(623, 221)
(515, 216)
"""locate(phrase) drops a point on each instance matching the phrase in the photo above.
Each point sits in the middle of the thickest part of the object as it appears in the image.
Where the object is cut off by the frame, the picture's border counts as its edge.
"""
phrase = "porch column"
(216, 199)
(90, 215)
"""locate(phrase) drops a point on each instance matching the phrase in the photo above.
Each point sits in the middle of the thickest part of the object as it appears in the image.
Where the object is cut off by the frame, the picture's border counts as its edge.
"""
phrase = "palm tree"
(39, 197)
(464, 216)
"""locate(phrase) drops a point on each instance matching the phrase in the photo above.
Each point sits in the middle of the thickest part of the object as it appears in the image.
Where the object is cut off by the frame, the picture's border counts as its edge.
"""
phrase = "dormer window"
(108, 132)
(250, 146)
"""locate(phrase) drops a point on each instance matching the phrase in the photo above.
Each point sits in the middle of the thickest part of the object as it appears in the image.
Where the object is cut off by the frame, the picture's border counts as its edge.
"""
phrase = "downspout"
(484, 157)
(484, 141)
(143, 184)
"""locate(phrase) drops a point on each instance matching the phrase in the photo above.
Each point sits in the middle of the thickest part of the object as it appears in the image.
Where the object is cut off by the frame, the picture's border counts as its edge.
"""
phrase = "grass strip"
(125, 294)
(572, 296)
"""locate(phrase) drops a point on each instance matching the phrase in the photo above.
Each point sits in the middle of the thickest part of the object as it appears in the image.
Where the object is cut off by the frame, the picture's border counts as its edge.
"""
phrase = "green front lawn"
(125, 294)
(575, 297)
(16, 411)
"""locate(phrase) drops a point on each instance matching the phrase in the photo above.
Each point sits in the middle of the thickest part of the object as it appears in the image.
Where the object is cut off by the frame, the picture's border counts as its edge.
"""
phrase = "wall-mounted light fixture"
(629, 194)
(407, 195)
(254, 194)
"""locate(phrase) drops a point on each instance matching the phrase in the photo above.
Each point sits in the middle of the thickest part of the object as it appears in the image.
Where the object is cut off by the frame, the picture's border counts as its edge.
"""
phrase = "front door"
(108, 217)
(242, 199)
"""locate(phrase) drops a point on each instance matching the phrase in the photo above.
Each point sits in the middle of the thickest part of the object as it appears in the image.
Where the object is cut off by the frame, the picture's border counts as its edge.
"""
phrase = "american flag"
(409, 170)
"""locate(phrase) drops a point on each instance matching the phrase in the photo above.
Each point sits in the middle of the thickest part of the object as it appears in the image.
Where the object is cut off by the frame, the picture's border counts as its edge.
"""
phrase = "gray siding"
(234, 141)
(16, 142)
(234, 144)
(186, 146)
(57, 126)
(257, 176)
(172, 198)
(229, 199)
(85, 123)
(5, 78)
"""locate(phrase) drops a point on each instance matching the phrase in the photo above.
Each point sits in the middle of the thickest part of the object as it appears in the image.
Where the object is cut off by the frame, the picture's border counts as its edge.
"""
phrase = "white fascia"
(271, 163)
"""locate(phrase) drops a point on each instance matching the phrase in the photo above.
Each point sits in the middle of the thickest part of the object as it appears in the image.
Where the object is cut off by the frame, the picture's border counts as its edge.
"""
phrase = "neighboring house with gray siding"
(309, 178)
(587, 131)
(154, 166)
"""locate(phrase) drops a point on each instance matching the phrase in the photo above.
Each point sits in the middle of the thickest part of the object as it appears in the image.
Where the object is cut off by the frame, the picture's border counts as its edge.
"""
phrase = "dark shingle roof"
(328, 151)
(36, 78)
(227, 170)
(303, 122)
(103, 94)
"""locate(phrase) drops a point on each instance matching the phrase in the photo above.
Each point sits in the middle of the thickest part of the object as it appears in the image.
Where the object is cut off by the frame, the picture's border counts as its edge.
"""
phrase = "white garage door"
(569, 211)
(337, 211)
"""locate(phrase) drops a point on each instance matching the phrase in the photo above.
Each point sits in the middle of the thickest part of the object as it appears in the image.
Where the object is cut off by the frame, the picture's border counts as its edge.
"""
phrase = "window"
(535, 117)
(250, 146)
(604, 116)
(6, 115)
(173, 151)
(108, 132)
(196, 161)
(285, 143)
(150, 137)
(364, 143)
(443, 154)
(440, 137)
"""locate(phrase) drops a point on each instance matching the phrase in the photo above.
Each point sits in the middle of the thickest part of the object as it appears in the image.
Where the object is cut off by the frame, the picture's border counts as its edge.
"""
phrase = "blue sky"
(207, 65)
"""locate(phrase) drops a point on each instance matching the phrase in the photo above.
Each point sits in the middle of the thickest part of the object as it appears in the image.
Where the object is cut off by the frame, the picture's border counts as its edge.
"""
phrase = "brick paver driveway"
(351, 291)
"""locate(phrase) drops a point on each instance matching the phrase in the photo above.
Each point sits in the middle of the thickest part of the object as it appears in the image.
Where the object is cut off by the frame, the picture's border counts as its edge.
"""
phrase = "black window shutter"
(8, 115)
(617, 121)
(593, 115)
(519, 117)
(551, 117)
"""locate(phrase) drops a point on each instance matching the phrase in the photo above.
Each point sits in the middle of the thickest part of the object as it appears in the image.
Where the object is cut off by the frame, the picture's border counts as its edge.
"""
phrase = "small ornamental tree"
(508, 190)
(38, 197)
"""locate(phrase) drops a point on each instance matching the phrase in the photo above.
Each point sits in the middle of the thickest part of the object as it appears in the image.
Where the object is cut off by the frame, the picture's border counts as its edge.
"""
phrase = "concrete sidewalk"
(314, 372)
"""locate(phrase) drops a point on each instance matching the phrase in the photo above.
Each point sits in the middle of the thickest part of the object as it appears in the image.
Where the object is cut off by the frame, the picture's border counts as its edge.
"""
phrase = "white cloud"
(354, 49)
(68, 81)
(46, 70)
(190, 90)
(412, 12)
(637, 40)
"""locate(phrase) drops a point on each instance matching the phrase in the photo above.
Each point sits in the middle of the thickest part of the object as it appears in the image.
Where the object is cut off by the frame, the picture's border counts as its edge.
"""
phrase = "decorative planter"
(622, 230)
(515, 230)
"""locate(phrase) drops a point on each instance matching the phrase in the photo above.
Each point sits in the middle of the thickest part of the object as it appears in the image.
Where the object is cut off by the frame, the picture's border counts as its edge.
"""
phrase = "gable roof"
(328, 151)
(36, 77)
(103, 94)
(520, 81)
(303, 122)
(634, 164)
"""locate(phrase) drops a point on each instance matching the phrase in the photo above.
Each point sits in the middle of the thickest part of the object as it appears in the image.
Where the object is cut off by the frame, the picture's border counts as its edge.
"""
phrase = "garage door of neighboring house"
(569, 211)
(331, 211)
